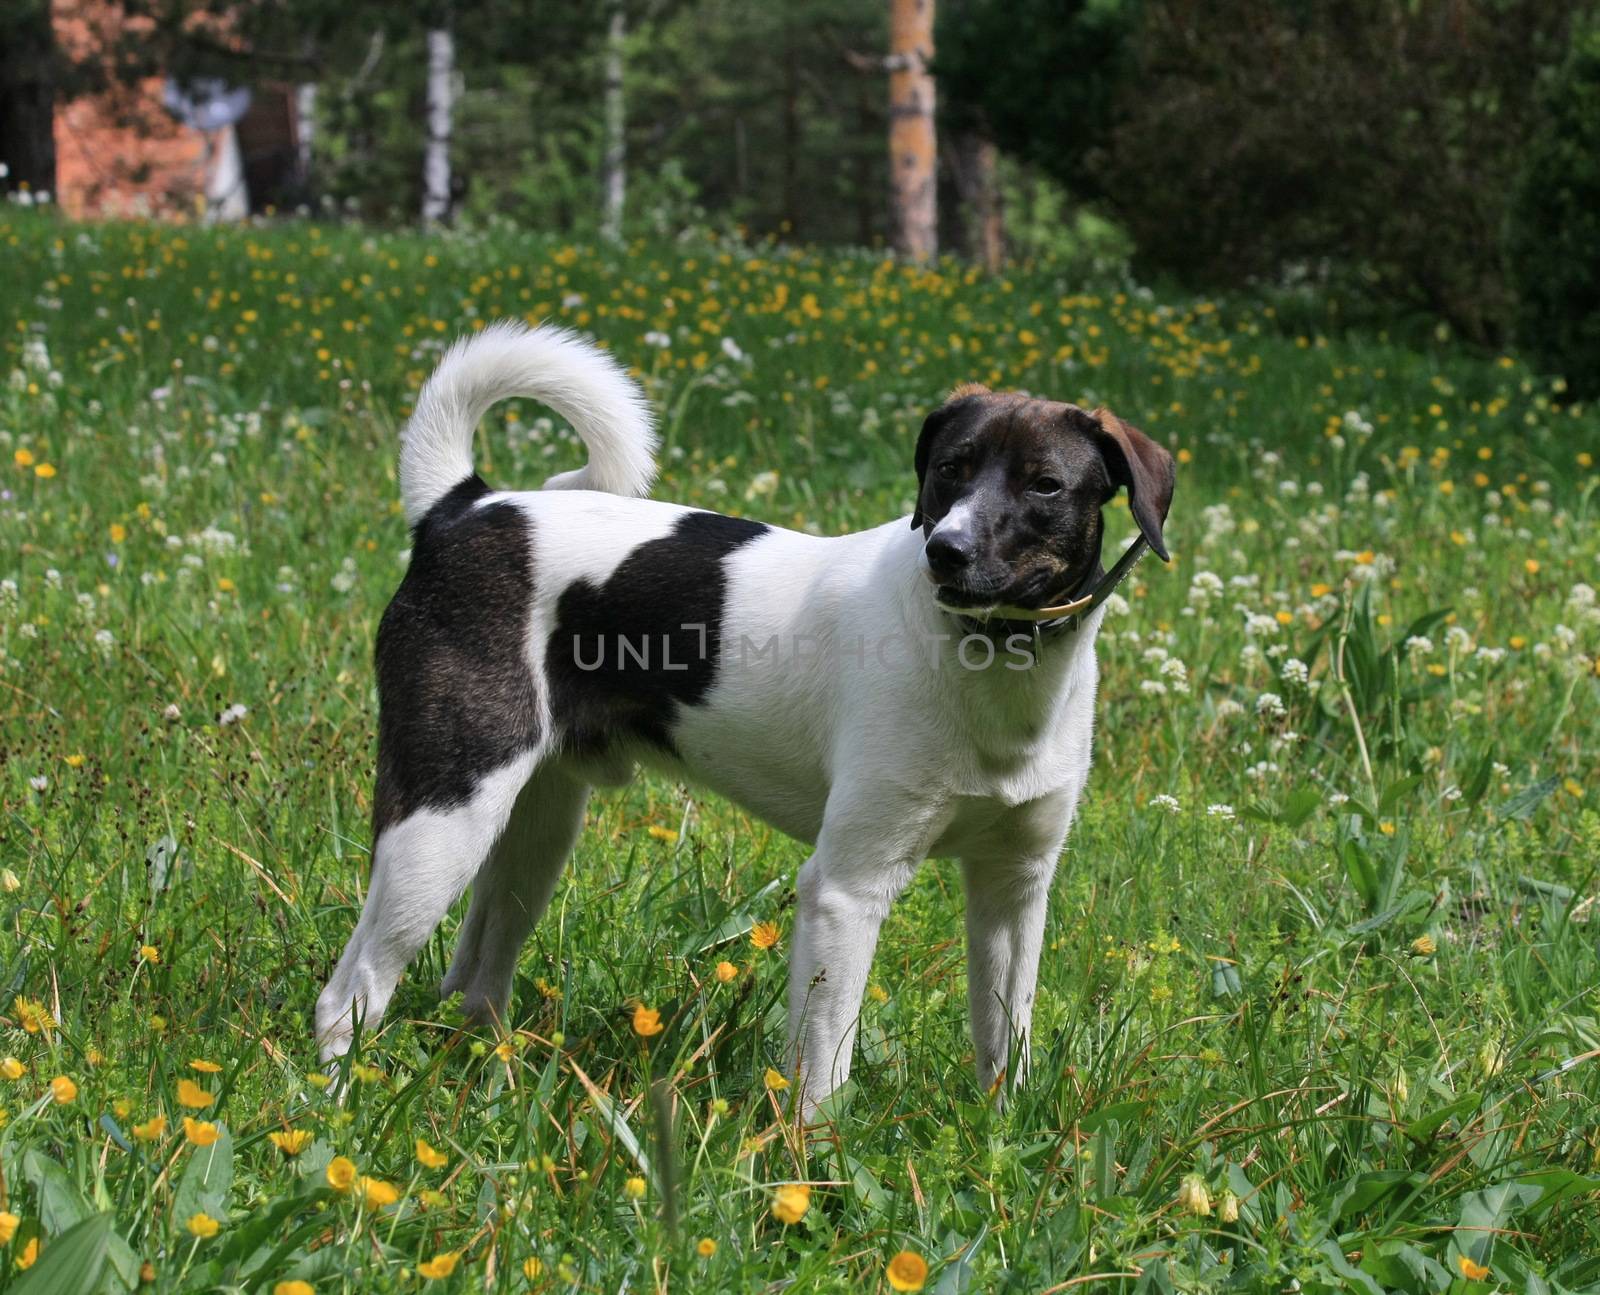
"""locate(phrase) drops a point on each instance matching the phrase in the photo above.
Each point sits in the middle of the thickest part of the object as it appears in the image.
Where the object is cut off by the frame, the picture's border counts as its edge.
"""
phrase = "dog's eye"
(1046, 486)
(947, 470)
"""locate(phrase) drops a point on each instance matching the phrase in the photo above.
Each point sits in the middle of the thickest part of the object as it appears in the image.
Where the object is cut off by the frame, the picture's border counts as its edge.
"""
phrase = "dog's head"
(1009, 492)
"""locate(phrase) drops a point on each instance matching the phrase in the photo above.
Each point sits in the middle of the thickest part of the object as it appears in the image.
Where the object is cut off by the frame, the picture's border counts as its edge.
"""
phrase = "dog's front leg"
(1007, 899)
(843, 893)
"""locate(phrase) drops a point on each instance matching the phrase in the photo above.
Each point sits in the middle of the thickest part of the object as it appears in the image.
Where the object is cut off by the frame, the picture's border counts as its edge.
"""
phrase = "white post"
(615, 167)
(227, 198)
(305, 126)
(441, 92)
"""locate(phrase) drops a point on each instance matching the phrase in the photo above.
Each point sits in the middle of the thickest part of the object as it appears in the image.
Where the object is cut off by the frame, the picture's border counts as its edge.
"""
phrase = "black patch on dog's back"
(456, 696)
(623, 657)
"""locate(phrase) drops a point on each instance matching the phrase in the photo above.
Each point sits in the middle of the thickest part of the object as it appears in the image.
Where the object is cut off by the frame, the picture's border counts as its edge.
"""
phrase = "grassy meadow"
(1320, 1002)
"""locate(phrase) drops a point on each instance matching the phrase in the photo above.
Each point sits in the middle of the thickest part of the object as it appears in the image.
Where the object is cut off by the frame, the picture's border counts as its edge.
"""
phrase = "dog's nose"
(947, 554)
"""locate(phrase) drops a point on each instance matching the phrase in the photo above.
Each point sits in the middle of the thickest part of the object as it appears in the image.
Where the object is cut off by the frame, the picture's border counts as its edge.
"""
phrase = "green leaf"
(206, 1180)
(1523, 803)
(73, 1263)
(1397, 791)
(1424, 1127)
(61, 1204)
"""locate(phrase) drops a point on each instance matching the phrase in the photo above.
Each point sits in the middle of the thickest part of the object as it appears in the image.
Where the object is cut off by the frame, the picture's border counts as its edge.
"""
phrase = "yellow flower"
(662, 833)
(200, 1132)
(764, 934)
(152, 1129)
(11, 1068)
(11, 883)
(30, 1014)
(294, 1288)
(190, 1094)
(531, 1267)
(440, 1265)
(705, 1247)
(75, 760)
(646, 1021)
(1424, 947)
(634, 1188)
(341, 1173)
(1387, 827)
(9, 1223)
(429, 1157)
(119, 532)
(1531, 566)
(908, 1271)
(202, 1225)
(150, 953)
(29, 1255)
(775, 1082)
(23, 458)
(378, 1194)
(290, 1141)
(45, 470)
(726, 971)
(63, 1090)
(1473, 1272)
(790, 1202)
(1228, 1208)
(1194, 1197)
(1573, 788)
(205, 1067)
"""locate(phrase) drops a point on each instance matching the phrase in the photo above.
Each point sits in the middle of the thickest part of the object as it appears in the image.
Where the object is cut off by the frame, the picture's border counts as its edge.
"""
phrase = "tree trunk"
(305, 132)
(616, 153)
(984, 221)
(27, 98)
(913, 149)
(441, 96)
(791, 133)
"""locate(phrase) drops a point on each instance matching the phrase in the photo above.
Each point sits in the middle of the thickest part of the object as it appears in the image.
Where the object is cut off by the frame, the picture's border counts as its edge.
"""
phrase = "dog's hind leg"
(421, 864)
(512, 892)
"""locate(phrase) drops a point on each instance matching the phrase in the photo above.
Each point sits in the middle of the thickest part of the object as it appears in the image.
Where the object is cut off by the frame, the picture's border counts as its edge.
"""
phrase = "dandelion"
(32, 1017)
(726, 971)
(430, 1158)
(790, 1202)
(341, 1173)
(202, 1225)
(9, 1223)
(532, 1267)
(149, 953)
(294, 1287)
(1423, 947)
(646, 1021)
(907, 1271)
(290, 1141)
(63, 1090)
(774, 1081)
(1194, 1197)
(152, 1130)
(29, 1255)
(1472, 1271)
(656, 832)
(634, 1188)
(202, 1133)
(193, 1096)
(705, 1247)
(44, 470)
(764, 935)
(439, 1266)
(11, 1068)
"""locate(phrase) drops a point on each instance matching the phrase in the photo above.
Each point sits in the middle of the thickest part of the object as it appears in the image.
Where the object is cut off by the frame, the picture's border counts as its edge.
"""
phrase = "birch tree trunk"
(441, 96)
(913, 148)
(305, 130)
(615, 165)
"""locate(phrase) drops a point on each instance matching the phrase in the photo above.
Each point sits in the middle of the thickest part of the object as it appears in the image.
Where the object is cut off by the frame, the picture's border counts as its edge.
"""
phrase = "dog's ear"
(931, 427)
(1144, 468)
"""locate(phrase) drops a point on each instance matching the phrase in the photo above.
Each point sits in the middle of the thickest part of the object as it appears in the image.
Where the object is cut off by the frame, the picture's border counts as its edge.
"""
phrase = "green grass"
(1244, 1000)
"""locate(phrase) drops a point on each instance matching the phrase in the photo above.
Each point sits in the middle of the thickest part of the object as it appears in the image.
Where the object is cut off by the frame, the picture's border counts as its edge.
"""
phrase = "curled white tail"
(575, 378)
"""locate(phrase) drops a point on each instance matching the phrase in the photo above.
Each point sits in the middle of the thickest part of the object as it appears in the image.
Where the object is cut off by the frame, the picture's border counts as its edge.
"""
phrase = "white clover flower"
(1451, 794)
(172, 714)
(1261, 770)
(1457, 640)
(1206, 587)
(1219, 810)
(657, 339)
(52, 578)
(1168, 803)
(1270, 706)
(232, 715)
(1419, 645)
(105, 641)
(1295, 672)
(344, 579)
(763, 483)
(1116, 605)
(1152, 688)
(9, 596)
(1490, 655)
(730, 348)
(1257, 625)
(1227, 708)
(1175, 670)
(28, 630)
(1154, 654)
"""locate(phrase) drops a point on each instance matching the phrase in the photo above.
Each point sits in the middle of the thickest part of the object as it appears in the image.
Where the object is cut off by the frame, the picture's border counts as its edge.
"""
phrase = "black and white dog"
(891, 695)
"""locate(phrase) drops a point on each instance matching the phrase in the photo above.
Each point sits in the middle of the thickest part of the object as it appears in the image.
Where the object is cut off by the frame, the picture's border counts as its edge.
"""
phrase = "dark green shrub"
(1553, 227)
